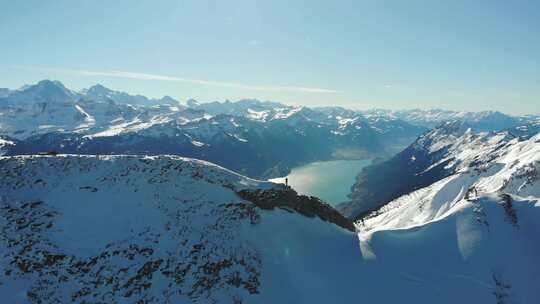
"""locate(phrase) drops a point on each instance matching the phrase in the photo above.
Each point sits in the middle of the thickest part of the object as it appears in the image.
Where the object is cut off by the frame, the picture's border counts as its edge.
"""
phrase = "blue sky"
(462, 55)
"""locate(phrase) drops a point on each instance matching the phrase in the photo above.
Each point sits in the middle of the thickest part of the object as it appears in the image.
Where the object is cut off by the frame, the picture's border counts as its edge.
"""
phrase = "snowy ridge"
(5, 143)
(166, 229)
(248, 136)
(436, 154)
(481, 221)
(48, 106)
(37, 114)
(161, 229)
(486, 165)
(481, 121)
(459, 148)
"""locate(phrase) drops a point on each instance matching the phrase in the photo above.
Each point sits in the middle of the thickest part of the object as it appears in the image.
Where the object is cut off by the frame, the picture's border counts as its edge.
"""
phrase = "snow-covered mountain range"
(473, 227)
(452, 218)
(165, 229)
(256, 138)
(260, 139)
(444, 151)
(49, 106)
(478, 121)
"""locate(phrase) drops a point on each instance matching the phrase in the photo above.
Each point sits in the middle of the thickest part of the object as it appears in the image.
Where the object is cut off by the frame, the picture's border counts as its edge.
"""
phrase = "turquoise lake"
(331, 181)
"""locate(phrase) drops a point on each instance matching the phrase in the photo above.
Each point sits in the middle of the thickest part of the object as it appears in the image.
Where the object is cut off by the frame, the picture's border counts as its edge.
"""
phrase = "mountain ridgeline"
(259, 139)
(451, 218)
(446, 150)
(159, 229)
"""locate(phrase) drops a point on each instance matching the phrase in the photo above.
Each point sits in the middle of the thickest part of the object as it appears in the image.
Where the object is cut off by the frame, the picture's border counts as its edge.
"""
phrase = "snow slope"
(122, 229)
(475, 231)
(436, 154)
(164, 229)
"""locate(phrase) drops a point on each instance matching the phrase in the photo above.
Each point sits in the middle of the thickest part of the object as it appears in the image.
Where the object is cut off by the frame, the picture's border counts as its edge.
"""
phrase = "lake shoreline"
(329, 180)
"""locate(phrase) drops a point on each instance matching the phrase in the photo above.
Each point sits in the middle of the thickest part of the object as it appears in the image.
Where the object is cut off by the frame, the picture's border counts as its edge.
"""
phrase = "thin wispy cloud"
(155, 77)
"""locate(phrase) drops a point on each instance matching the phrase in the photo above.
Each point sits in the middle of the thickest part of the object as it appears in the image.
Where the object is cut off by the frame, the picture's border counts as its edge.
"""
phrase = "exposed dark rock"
(124, 270)
(290, 200)
(89, 188)
(501, 290)
(510, 212)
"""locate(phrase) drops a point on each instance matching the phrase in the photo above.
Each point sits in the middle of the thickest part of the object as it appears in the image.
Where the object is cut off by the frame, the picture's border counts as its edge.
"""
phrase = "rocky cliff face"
(288, 199)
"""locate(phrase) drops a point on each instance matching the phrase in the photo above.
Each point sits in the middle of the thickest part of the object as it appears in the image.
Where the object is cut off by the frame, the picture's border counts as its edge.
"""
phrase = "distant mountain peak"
(47, 82)
(454, 126)
(192, 102)
(168, 100)
(48, 85)
(45, 90)
(98, 89)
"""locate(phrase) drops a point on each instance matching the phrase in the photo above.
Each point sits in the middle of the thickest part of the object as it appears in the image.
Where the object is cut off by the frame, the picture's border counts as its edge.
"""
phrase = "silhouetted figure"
(286, 182)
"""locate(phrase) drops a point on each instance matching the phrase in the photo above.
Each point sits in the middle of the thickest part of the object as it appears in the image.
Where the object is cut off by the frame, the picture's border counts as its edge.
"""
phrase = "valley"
(331, 181)
(269, 152)
(108, 197)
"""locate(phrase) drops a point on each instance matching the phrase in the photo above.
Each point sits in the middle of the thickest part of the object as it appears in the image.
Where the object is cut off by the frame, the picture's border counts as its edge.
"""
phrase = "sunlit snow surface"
(110, 219)
(169, 229)
(472, 243)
